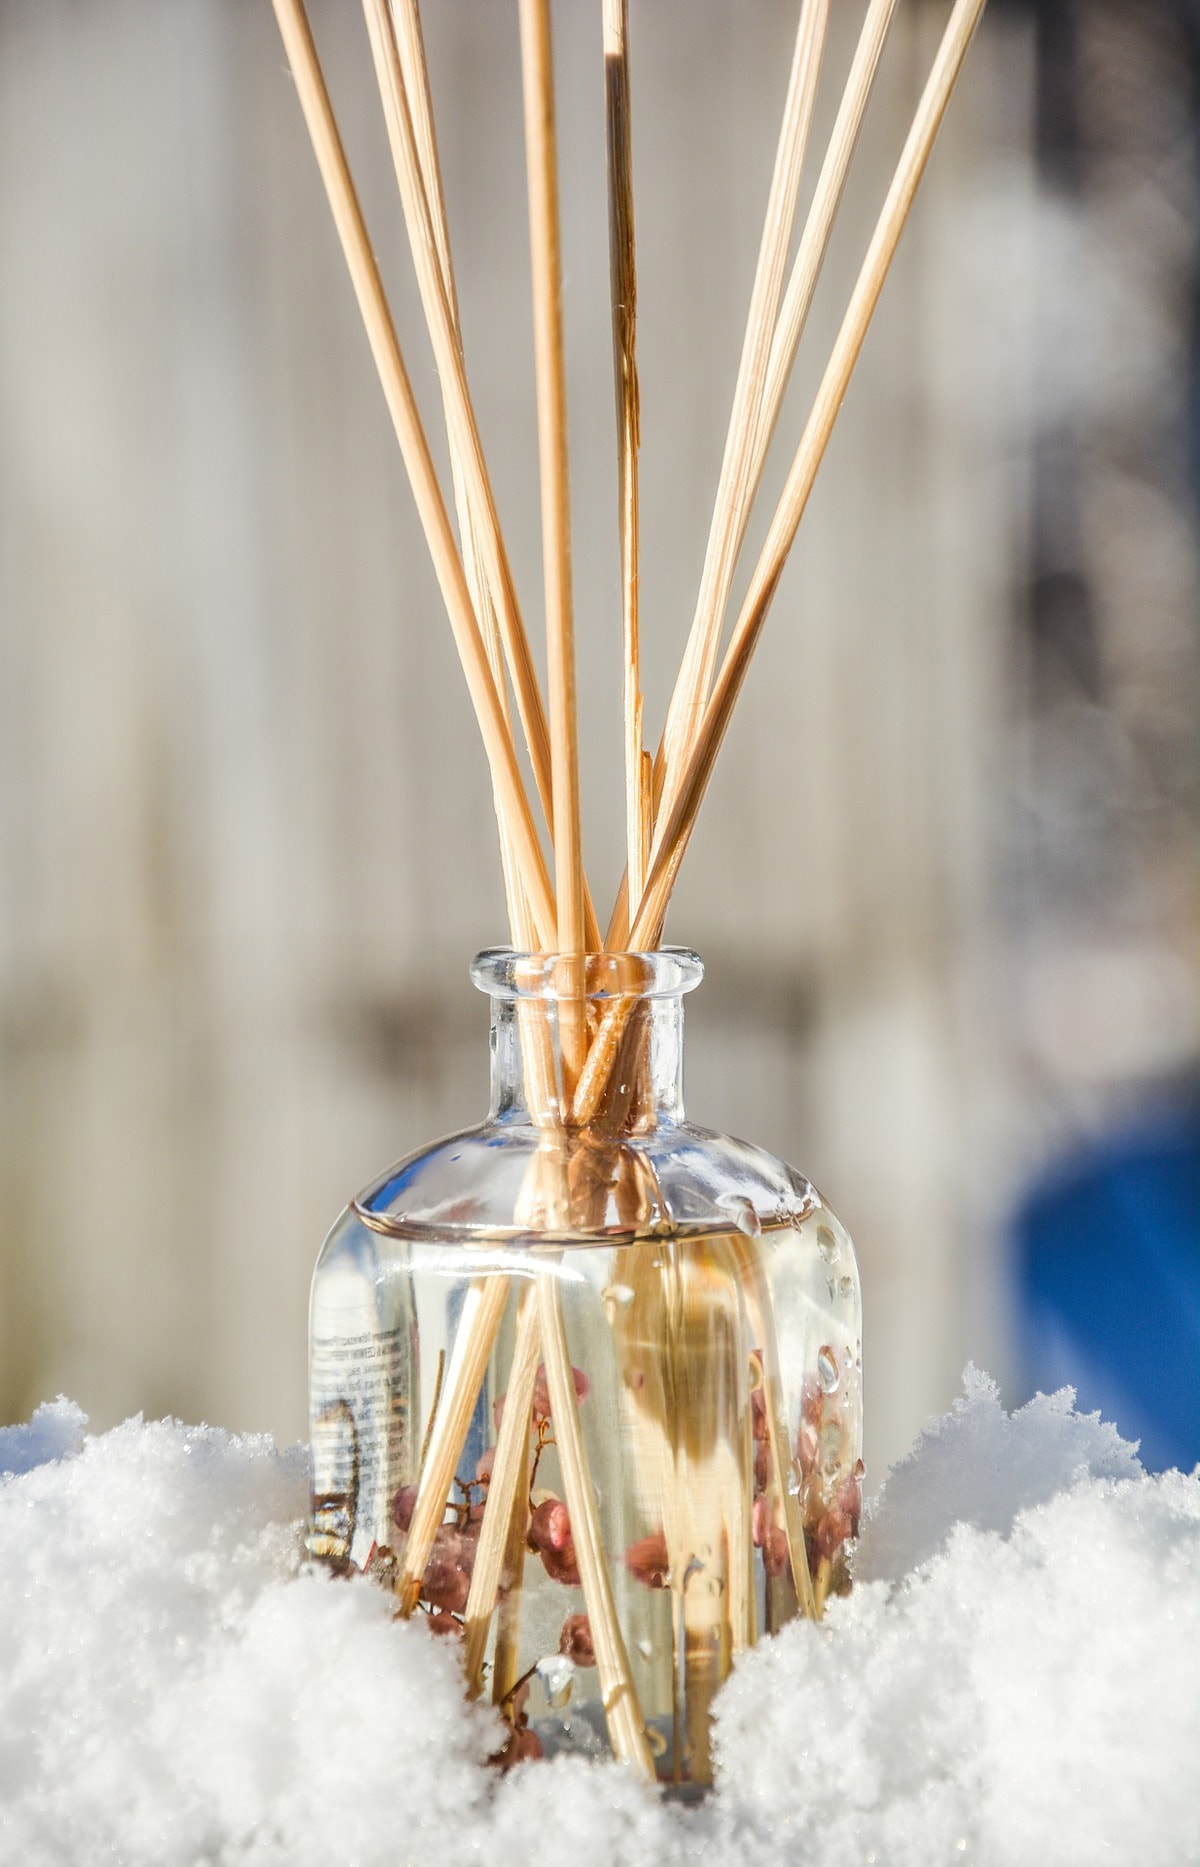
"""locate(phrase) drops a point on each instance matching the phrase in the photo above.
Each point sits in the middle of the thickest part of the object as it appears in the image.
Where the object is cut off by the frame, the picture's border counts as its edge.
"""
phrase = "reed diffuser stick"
(622, 268)
(431, 507)
(818, 226)
(700, 655)
(405, 73)
(414, 155)
(671, 838)
(506, 1493)
(626, 1728)
(474, 1341)
(806, 270)
(542, 165)
(410, 48)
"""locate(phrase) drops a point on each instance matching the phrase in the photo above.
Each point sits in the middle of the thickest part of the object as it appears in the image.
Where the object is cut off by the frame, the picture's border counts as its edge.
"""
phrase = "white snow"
(1016, 1678)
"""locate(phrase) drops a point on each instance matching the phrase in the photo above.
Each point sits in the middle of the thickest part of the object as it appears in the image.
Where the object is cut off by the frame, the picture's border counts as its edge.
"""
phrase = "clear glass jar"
(586, 1380)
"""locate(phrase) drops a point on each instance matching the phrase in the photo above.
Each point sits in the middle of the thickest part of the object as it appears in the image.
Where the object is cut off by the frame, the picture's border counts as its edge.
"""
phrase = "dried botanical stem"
(402, 76)
(625, 1725)
(506, 1491)
(389, 361)
(671, 836)
(542, 165)
(623, 290)
(700, 655)
(474, 1341)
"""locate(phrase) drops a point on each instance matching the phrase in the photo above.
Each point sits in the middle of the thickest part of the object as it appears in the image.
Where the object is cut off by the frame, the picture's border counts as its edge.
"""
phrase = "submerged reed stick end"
(473, 1345)
(506, 1492)
(625, 1723)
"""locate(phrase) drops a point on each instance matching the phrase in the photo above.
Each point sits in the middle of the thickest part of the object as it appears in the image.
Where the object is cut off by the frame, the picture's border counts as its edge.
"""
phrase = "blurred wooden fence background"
(246, 845)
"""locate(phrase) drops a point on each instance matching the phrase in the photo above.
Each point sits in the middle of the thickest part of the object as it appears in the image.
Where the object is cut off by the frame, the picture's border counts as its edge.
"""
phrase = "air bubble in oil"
(827, 1371)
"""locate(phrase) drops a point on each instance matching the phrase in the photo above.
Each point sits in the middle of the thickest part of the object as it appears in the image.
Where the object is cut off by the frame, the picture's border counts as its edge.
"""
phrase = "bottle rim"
(667, 972)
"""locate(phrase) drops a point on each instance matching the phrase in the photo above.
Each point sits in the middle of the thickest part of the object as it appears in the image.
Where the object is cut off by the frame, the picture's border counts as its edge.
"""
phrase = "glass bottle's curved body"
(586, 1380)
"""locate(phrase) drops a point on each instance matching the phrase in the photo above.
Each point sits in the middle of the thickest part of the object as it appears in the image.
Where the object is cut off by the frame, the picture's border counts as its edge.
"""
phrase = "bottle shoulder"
(677, 1178)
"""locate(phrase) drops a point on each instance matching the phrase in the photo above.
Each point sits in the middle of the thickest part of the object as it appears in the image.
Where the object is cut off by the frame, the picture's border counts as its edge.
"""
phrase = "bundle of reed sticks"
(549, 902)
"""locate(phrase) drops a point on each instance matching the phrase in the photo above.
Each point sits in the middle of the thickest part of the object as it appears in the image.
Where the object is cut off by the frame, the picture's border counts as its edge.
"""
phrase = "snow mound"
(55, 1432)
(980, 1465)
(1019, 1680)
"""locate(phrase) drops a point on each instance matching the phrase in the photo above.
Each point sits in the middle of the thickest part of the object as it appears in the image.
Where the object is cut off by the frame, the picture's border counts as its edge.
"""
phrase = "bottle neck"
(634, 1051)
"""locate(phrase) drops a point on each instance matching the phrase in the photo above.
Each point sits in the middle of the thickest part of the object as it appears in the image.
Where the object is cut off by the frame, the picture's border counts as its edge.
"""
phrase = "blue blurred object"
(1108, 1282)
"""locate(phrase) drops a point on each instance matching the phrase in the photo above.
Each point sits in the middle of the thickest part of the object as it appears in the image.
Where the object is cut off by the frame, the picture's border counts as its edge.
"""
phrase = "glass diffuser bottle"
(586, 1380)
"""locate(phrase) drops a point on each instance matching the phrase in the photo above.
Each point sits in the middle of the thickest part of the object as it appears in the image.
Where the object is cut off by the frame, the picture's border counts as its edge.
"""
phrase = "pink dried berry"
(523, 1746)
(848, 1498)
(840, 1522)
(807, 1447)
(403, 1505)
(446, 1583)
(541, 1392)
(443, 1623)
(831, 1532)
(576, 1640)
(775, 1550)
(561, 1566)
(648, 1560)
(550, 1525)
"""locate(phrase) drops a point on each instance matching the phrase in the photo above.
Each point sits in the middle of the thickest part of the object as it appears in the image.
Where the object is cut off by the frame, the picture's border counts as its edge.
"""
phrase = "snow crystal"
(1015, 1678)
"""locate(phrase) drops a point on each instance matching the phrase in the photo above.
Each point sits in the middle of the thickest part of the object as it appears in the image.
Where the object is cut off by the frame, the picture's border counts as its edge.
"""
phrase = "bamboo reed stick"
(474, 1341)
(506, 1491)
(410, 48)
(818, 226)
(797, 302)
(622, 268)
(625, 1725)
(402, 78)
(700, 654)
(418, 177)
(541, 161)
(386, 53)
(389, 361)
(671, 837)
(506, 1654)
